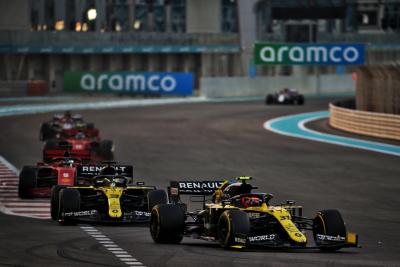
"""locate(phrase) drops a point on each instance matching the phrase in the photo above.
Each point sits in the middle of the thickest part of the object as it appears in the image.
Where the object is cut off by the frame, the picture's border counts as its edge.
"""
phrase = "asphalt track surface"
(214, 141)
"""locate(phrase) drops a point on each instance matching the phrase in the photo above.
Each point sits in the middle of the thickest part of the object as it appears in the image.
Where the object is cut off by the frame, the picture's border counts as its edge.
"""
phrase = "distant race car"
(109, 197)
(285, 96)
(65, 126)
(37, 181)
(88, 149)
(235, 217)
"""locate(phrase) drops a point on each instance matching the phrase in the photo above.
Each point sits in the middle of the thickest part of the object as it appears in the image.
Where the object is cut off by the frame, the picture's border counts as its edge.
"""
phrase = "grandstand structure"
(41, 39)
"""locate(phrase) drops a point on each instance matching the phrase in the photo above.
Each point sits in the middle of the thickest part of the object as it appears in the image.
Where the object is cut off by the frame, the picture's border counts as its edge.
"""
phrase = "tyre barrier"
(373, 124)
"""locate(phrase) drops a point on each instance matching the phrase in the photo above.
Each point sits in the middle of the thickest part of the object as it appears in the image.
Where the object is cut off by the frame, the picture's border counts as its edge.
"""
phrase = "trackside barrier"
(23, 88)
(378, 89)
(363, 122)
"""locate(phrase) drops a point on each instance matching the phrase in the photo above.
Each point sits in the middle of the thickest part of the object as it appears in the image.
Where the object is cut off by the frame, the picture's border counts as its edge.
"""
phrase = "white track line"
(110, 246)
(10, 203)
(323, 137)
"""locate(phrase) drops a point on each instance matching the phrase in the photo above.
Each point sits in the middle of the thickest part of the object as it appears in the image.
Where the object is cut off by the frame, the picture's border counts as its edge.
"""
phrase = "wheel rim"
(154, 226)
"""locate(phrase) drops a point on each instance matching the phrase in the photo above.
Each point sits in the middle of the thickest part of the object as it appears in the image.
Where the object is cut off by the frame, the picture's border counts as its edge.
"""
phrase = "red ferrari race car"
(65, 126)
(37, 181)
(86, 148)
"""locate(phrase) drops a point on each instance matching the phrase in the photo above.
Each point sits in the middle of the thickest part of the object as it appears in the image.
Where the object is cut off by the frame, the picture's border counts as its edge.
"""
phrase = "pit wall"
(375, 124)
(214, 87)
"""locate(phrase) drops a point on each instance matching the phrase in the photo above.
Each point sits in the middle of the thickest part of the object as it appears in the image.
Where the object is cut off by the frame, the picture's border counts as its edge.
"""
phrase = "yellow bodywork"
(113, 195)
(281, 215)
(114, 206)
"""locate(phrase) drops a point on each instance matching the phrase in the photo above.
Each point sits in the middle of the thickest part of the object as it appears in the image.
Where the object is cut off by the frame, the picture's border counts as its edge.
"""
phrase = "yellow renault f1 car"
(104, 193)
(238, 218)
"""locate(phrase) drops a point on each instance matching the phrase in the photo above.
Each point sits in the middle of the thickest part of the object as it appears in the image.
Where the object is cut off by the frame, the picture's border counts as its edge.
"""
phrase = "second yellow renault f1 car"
(104, 194)
(236, 217)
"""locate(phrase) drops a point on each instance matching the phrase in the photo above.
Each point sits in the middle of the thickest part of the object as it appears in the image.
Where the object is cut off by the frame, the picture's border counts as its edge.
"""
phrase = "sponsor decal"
(176, 83)
(199, 185)
(259, 238)
(240, 240)
(253, 215)
(142, 213)
(79, 213)
(99, 168)
(319, 54)
(330, 238)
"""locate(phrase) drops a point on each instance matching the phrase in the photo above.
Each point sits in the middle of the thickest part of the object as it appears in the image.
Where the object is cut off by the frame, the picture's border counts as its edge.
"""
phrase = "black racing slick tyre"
(156, 197)
(269, 99)
(329, 223)
(55, 201)
(27, 181)
(46, 132)
(107, 150)
(300, 100)
(70, 201)
(167, 223)
(233, 228)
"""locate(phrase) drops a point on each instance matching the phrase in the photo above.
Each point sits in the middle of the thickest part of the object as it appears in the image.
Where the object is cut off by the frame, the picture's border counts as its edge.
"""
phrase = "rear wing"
(50, 154)
(194, 187)
(90, 171)
(201, 189)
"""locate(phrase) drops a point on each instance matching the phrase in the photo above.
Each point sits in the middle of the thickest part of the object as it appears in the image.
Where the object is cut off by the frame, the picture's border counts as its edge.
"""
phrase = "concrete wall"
(203, 16)
(260, 86)
(15, 15)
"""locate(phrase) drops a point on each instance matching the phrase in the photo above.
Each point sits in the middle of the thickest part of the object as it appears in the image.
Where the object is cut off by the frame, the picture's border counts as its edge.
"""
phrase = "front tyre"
(55, 201)
(233, 228)
(27, 181)
(328, 223)
(167, 223)
(70, 201)
(300, 100)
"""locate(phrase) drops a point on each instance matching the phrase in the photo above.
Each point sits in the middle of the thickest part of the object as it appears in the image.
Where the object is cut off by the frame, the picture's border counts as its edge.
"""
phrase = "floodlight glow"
(92, 14)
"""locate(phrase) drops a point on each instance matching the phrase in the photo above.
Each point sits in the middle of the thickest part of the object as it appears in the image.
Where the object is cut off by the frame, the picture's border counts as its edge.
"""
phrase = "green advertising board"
(175, 83)
(309, 54)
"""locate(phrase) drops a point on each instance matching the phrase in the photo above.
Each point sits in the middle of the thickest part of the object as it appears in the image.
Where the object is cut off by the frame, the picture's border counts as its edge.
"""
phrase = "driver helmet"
(70, 162)
(80, 135)
(250, 201)
(108, 170)
(237, 189)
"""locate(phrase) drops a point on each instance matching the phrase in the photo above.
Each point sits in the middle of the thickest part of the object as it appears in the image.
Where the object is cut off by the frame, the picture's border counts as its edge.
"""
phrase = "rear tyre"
(269, 100)
(70, 200)
(329, 223)
(46, 132)
(231, 224)
(167, 223)
(156, 197)
(300, 100)
(55, 201)
(107, 150)
(27, 181)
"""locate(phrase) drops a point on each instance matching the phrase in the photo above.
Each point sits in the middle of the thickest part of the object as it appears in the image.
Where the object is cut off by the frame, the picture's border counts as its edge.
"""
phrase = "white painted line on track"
(111, 247)
(10, 203)
(294, 126)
